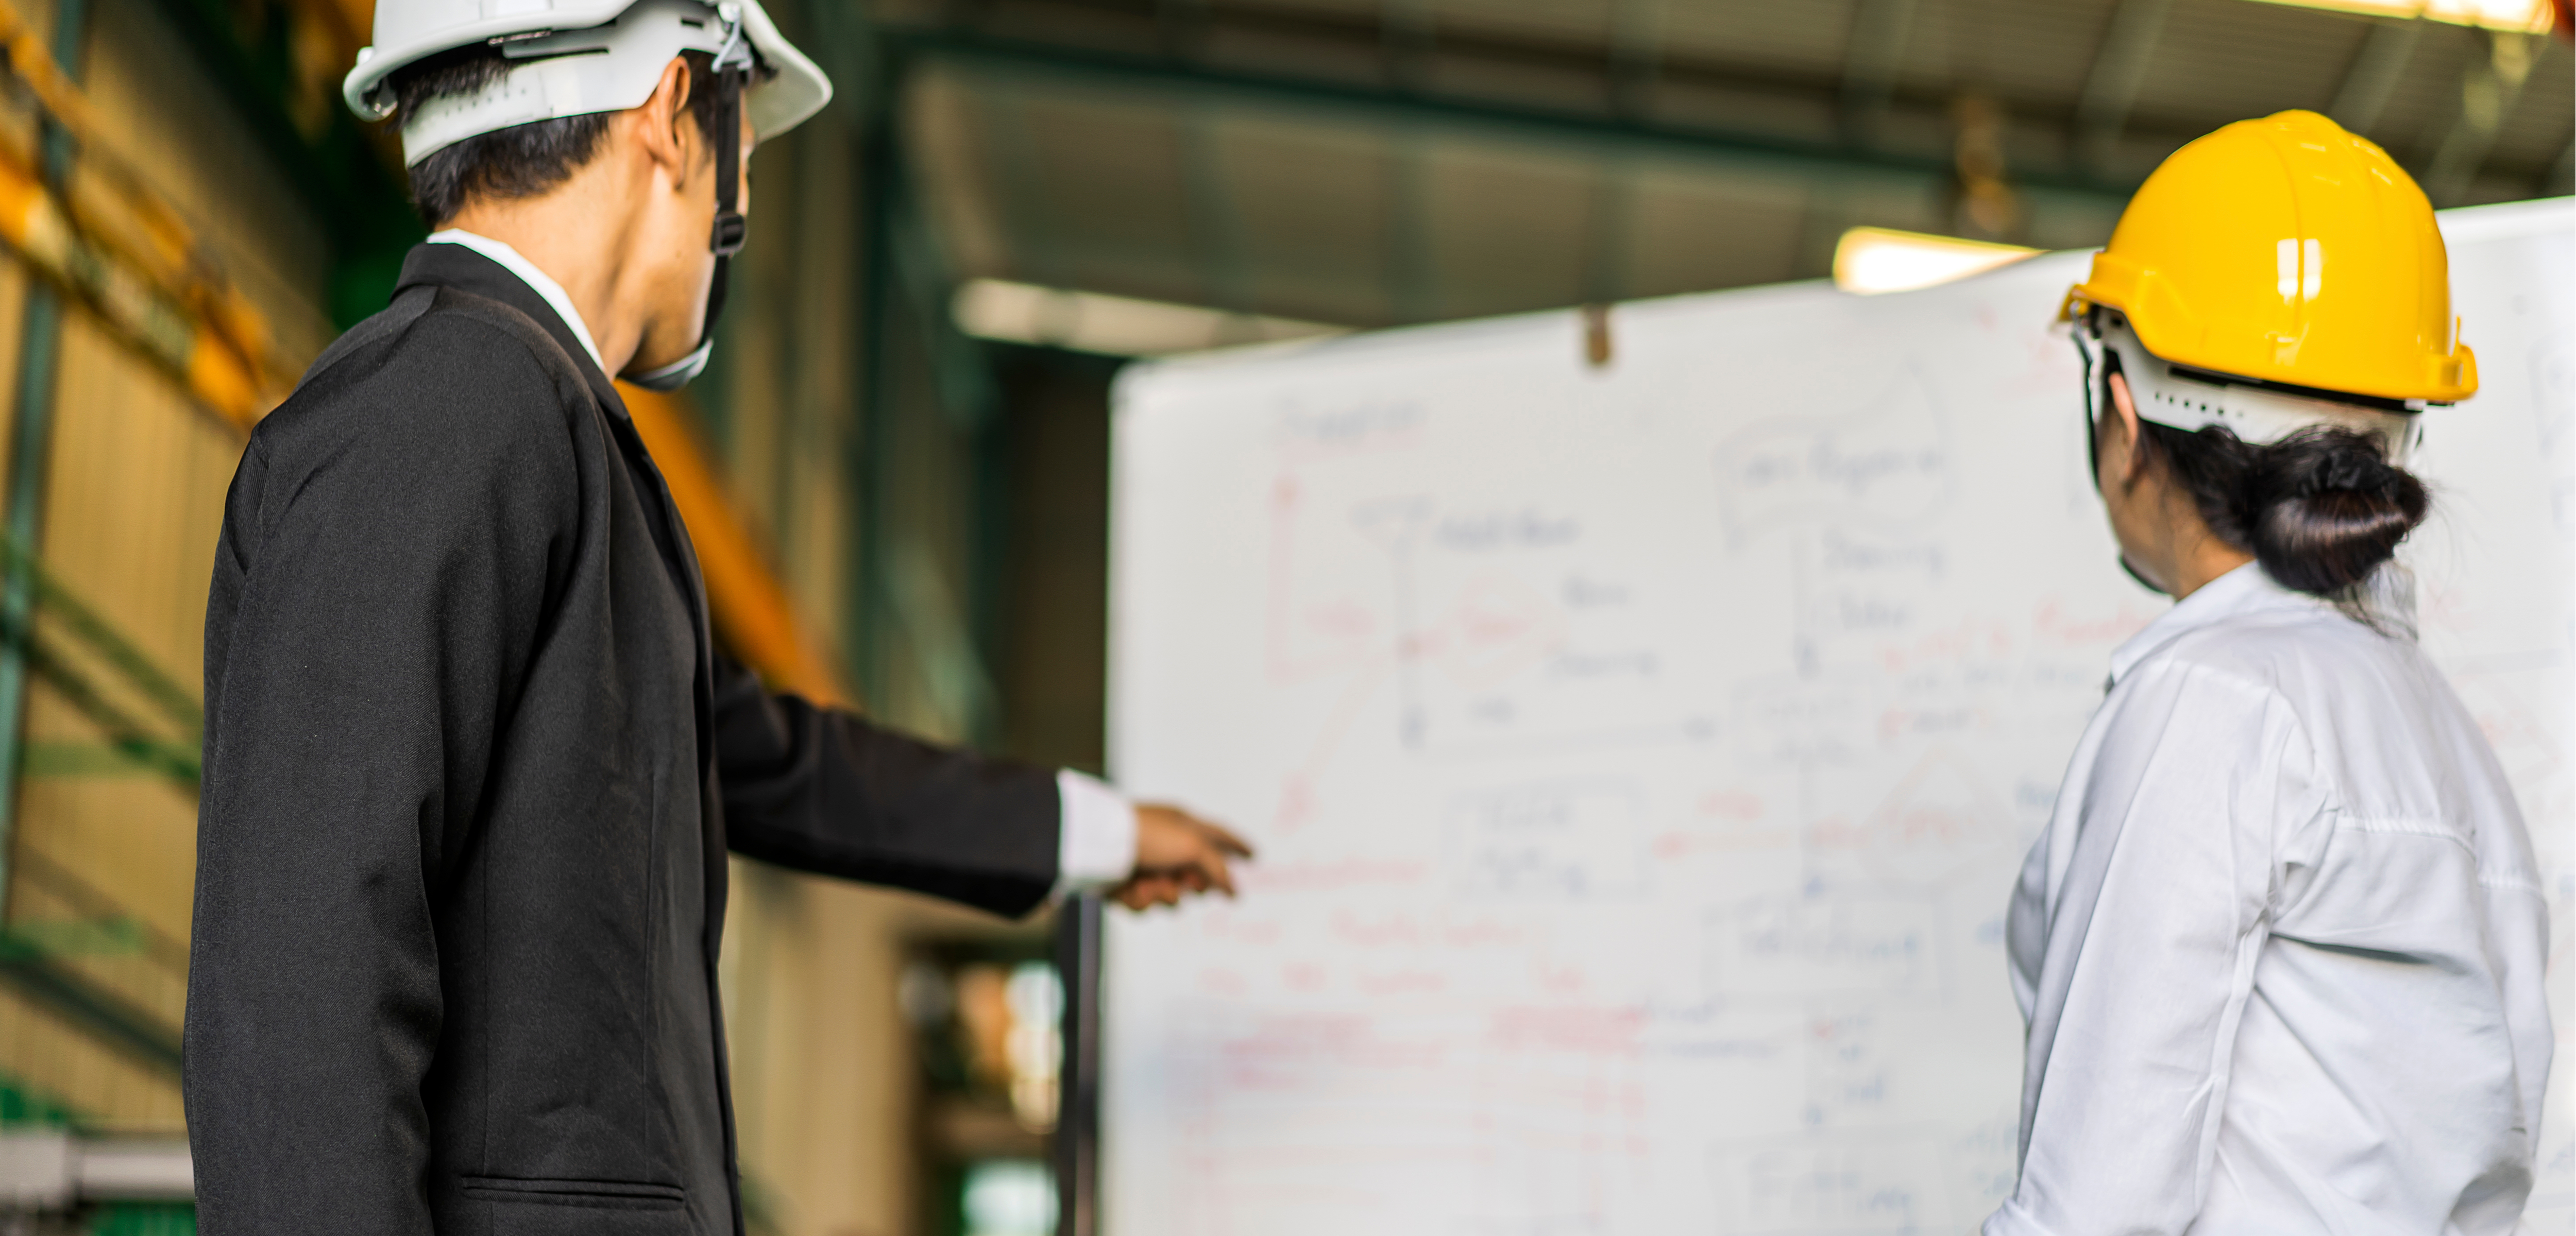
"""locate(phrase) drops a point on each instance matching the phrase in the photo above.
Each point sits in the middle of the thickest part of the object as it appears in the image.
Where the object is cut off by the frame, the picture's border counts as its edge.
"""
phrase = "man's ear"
(2130, 439)
(667, 127)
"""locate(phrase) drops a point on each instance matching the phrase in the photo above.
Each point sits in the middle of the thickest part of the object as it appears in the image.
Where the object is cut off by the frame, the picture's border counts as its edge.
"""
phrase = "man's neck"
(538, 281)
(579, 237)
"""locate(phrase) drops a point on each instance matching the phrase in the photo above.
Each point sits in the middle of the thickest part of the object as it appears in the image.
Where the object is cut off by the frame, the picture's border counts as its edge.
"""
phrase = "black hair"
(520, 161)
(2321, 509)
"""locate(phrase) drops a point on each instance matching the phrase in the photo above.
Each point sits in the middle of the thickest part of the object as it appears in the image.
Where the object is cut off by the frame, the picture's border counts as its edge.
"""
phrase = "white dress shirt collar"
(537, 280)
(2243, 590)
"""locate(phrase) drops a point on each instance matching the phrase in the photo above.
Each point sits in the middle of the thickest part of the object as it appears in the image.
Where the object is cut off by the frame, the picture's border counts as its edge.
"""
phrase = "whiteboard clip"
(1596, 335)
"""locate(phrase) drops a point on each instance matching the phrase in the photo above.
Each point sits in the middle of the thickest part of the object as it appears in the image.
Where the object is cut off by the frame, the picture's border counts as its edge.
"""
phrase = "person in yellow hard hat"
(2281, 946)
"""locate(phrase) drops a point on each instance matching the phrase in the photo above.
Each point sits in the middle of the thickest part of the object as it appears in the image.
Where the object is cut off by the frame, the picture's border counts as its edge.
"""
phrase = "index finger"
(1226, 840)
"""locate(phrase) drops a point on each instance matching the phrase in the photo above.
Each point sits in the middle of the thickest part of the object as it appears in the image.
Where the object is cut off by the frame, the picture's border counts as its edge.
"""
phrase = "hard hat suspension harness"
(2190, 399)
(732, 75)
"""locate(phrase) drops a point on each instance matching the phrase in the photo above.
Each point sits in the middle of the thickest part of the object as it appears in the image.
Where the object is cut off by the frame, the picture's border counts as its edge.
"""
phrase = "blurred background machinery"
(897, 469)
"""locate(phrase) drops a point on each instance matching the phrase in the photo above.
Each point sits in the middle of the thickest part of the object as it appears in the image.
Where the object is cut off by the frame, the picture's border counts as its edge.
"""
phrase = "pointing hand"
(1178, 854)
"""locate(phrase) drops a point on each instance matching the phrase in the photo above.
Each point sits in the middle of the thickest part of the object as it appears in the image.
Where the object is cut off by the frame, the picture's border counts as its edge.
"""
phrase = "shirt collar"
(2244, 590)
(537, 280)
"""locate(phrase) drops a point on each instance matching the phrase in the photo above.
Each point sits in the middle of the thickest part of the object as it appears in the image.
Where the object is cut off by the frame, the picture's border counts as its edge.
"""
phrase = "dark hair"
(2321, 509)
(520, 161)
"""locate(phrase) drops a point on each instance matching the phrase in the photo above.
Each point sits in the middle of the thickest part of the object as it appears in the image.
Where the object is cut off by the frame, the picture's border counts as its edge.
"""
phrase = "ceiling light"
(2530, 15)
(1112, 325)
(1871, 260)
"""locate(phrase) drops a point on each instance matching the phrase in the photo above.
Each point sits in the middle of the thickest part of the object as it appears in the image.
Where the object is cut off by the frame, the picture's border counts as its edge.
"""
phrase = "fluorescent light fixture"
(2529, 15)
(1871, 260)
(1112, 325)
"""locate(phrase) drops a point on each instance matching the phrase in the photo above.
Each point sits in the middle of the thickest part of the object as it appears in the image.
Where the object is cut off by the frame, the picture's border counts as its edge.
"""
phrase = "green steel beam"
(959, 371)
(22, 503)
(144, 1219)
(57, 760)
(177, 761)
(22, 1104)
(1215, 226)
(879, 158)
(37, 976)
(905, 282)
(1590, 133)
(34, 959)
(1412, 269)
(84, 623)
(1033, 256)
(25, 653)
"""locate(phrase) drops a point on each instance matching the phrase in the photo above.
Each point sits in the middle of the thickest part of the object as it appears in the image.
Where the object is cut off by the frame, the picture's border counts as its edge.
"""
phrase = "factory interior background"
(896, 471)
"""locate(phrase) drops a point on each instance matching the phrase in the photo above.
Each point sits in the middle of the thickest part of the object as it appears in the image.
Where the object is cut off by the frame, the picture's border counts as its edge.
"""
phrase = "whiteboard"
(1641, 755)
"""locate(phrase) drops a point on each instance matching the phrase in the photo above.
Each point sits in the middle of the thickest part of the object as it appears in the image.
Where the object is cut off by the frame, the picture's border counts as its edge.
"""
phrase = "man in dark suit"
(472, 761)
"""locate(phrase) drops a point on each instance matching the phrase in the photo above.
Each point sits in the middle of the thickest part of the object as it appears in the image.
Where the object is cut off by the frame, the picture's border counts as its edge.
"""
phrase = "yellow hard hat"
(2288, 250)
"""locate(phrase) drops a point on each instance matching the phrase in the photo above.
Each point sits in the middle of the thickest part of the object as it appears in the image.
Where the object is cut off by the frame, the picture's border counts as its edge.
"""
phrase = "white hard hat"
(577, 57)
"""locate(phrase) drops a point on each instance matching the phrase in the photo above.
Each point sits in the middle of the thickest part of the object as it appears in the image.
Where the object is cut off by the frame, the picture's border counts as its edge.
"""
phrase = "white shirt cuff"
(1096, 843)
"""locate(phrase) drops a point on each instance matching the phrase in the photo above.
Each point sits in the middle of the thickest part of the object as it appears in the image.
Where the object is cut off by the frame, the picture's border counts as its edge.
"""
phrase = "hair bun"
(2308, 474)
(2327, 509)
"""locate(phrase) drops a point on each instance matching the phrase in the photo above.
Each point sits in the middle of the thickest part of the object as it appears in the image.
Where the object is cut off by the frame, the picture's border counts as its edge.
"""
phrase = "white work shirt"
(2281, 947)
(1096, 825)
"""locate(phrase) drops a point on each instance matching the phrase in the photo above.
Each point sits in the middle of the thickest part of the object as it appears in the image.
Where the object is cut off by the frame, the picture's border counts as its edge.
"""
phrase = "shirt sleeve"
(2151, 941)
(824, 790)
(1099, 834)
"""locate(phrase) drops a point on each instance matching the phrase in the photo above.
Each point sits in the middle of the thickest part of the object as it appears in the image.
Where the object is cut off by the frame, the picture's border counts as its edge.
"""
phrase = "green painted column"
(879, 157)
(22, 503)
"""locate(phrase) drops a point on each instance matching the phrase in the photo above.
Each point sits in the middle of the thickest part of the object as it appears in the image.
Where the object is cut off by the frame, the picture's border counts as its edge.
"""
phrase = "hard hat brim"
(2447, 380)
(799, 89)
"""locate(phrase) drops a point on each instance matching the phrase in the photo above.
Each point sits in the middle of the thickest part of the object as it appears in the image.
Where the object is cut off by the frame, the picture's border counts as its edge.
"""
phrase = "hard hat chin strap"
(2097, 376)
(733, 72)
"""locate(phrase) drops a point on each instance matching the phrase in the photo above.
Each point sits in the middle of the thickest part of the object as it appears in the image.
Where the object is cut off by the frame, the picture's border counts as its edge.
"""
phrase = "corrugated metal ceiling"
(1373, 163)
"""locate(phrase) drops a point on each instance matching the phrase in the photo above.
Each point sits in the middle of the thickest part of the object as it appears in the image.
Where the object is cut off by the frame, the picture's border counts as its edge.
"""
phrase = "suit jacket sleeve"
(379, 585)
(822, 790)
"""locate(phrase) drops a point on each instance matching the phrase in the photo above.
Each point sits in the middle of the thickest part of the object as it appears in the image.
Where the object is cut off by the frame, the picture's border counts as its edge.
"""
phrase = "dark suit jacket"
(472, 767)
